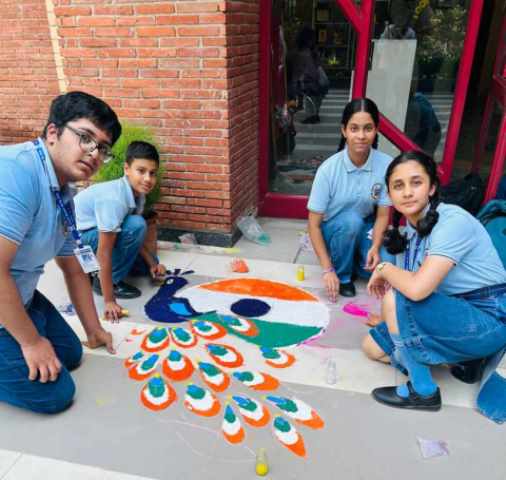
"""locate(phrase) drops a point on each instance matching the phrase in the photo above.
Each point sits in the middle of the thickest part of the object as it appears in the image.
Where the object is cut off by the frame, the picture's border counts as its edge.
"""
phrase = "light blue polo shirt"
(105, 205)
(340, 186)
(460, 237)
(29, 215)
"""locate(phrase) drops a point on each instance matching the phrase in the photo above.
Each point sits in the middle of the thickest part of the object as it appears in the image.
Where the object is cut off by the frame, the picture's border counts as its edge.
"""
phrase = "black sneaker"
(121, 289)
(388, 396)
(347, 289)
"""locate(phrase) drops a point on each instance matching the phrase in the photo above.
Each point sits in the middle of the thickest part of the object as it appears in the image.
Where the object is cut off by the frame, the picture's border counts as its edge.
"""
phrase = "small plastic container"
(300, 274)
(261, 464)
(331, 372)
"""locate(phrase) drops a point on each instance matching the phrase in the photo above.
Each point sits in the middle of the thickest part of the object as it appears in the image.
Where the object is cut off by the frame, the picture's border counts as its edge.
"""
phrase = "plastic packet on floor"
(250, 228)
(188, 239)
(432, 448)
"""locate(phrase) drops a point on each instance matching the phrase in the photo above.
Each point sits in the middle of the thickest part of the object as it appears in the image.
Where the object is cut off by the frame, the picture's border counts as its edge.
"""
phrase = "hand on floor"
(158, 271)
(113, 312)
(332, 283)
(100, 338)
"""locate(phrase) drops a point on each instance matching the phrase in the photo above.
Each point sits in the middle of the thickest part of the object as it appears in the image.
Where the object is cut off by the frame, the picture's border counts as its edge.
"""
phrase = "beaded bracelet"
(328, 270)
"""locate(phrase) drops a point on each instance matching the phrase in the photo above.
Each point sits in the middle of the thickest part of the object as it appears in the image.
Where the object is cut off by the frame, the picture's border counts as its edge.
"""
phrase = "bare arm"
(380, 225)
(106, 241)
(414, 285)
(316, 236)
(329, 276)
(37, 351)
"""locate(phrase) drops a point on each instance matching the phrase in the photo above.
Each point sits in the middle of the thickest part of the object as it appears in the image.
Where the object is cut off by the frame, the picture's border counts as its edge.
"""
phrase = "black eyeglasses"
(89, 144)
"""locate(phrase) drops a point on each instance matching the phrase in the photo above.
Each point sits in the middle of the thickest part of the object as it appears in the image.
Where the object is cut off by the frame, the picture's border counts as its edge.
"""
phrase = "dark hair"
(393, 240)
(359, 105)
(306, 38)
(139, 149)
(76, 105)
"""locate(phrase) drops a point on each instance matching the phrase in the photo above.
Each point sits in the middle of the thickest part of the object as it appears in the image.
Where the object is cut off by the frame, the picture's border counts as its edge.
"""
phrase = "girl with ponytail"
(444, 298)
(349, 200)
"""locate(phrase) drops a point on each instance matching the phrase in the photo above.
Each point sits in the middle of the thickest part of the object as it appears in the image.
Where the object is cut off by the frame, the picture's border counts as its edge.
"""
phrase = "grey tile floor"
(107, 434)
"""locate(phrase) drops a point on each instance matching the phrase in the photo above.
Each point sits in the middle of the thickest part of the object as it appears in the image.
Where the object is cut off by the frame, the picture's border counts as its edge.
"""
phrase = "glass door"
(412, 57)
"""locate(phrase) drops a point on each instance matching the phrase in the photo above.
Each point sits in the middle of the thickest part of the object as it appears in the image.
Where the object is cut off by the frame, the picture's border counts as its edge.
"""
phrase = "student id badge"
(87, 259)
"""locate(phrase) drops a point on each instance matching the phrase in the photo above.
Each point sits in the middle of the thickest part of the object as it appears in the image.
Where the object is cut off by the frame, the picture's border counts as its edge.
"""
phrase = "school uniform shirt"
(339, 185)
(105, 205)
(460, 237)
(29, 214)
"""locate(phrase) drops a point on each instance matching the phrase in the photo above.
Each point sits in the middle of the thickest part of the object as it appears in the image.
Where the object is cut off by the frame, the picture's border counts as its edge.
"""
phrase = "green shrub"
(114, 169)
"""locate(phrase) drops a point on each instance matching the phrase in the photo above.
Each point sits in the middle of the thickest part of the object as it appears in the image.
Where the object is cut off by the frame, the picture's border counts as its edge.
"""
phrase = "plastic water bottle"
(261, 465)
(331, 372)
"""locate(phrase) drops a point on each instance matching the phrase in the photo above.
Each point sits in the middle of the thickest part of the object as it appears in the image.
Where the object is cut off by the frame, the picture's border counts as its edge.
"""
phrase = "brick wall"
(28, 79)
(188, 69)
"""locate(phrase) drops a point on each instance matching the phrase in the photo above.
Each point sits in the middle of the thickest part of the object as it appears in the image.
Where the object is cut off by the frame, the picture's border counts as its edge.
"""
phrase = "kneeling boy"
(109, 215)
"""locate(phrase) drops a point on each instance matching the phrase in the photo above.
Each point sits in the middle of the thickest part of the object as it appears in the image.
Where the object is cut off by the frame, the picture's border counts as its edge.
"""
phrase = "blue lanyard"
(68, 217)
(406, 255)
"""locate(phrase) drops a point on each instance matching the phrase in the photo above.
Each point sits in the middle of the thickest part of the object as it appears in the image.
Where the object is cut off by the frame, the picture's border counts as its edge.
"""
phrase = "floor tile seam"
(274, 263)
(14, 463)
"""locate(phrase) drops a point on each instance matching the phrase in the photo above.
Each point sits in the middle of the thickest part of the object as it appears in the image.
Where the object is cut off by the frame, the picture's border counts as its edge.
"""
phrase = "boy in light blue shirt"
(109, 215)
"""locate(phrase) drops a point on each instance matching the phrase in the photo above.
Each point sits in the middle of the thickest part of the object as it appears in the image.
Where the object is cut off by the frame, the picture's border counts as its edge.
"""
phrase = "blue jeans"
(451, 329)
(126, 248)
(15, 387)
(346, 238)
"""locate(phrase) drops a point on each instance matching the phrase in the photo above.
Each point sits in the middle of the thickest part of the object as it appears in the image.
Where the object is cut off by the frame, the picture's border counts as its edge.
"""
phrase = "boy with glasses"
(37, 346)
(109, 215)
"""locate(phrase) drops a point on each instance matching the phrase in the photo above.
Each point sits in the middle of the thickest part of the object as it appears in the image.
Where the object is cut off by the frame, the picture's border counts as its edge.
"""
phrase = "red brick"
(177, 19)
(70, 11)
(156, 31)
(155, 8)
(96, 21)
(196, 7)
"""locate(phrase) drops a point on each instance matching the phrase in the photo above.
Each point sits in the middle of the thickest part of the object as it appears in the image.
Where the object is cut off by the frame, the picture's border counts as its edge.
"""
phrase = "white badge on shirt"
(87, 259)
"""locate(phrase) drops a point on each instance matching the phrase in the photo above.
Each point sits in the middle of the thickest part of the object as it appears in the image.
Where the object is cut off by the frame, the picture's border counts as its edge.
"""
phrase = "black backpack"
(467, 193)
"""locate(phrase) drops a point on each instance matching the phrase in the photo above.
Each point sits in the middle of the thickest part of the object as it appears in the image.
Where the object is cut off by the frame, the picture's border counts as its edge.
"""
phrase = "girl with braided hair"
(444, 300)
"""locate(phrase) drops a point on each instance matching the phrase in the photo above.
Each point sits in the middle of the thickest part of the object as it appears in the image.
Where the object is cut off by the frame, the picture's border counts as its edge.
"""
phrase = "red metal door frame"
(496, 95)
(361, 18)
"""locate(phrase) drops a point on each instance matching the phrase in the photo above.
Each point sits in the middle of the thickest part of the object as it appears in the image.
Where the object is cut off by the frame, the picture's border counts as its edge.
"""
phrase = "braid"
(393, 240)
(425, 225)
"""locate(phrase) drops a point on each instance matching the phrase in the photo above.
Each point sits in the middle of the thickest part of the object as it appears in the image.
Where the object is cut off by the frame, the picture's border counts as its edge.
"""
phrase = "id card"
(87, 259)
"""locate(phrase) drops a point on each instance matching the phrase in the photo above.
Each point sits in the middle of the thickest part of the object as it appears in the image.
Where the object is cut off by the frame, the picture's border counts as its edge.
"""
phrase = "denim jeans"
(15, 387)
(451, 329)
(126, 249)
(347, 241)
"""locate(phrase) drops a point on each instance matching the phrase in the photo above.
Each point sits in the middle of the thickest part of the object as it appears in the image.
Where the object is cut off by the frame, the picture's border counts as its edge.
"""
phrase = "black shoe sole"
(427, 408)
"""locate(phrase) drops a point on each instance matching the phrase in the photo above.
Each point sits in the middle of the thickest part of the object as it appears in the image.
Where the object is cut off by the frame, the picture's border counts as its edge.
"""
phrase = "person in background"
(109, 215)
